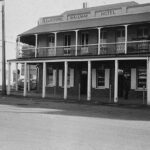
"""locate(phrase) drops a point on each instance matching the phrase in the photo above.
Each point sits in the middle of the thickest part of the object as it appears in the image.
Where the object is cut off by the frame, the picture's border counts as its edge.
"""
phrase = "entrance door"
(84, 83)
(120, 85)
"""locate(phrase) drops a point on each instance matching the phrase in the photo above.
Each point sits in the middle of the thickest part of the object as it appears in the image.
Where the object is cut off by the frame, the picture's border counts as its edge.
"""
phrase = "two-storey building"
(98, 54)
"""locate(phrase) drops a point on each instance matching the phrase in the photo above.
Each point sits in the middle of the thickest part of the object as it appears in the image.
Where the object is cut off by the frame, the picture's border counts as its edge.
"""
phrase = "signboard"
(78, 16)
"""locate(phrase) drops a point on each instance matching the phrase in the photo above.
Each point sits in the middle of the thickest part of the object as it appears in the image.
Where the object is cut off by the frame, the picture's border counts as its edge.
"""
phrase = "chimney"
(84, 5)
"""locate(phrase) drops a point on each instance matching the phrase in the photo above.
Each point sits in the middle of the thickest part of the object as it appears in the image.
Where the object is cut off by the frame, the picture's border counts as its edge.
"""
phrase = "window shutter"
(133, 78)
(107, 76)
(54, 77)
(60, 77)
(71, 77)
(93, 78)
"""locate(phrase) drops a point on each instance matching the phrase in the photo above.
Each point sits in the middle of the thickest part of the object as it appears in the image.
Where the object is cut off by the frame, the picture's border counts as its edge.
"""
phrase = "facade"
(94, 54)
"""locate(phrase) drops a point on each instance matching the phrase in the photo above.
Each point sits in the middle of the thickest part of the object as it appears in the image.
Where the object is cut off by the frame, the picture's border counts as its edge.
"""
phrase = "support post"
(44, 80)
(76, 48)
(89, 82)
(116, 82)
(25, 79)
(29, 85)
(16, 76)
(18, 47)
(36, 44)
(65, 79)
(9, 78)
(99, 40)
(126, 38)
(148, 81)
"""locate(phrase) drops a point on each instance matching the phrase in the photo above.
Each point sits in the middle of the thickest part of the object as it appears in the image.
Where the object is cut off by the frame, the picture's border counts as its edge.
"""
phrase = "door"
(84, 83)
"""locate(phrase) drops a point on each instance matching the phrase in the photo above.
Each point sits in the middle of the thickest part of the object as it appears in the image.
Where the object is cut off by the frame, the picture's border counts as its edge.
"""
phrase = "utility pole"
(3, 50)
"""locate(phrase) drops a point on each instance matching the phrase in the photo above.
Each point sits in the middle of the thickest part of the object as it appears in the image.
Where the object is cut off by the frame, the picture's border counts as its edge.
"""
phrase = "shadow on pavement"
(61, 107)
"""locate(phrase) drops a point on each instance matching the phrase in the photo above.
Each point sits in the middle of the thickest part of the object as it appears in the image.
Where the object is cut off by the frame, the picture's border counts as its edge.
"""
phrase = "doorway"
(83, 81)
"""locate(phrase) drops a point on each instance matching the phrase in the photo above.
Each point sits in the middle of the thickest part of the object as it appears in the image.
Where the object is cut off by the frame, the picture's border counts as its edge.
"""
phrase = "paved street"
(27, 124)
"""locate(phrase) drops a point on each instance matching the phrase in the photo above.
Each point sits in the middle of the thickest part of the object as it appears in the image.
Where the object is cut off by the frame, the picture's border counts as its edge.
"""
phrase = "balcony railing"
(133, 47)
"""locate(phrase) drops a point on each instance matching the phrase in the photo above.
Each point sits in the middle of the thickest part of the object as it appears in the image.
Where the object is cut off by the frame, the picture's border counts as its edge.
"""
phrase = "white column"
(99, 40)
(65, 79)
(116, 82)
(36, 44)
(18, 47)
(16, 76)
(9, 78)
(29, 77)
(126, 38)
(44, 80)
(76, 44)
(89, 82)
(148, 81)
(25, 79)
(55, 33)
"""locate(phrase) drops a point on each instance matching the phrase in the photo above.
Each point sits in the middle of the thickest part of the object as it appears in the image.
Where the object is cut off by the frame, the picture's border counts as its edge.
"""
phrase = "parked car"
(32, 84)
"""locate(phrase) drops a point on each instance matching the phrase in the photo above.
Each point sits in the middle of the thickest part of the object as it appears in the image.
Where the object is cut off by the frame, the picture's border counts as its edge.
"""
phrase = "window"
(70, 78)
(84, 39)
(100, 76)
(67, 41)
(51, 40)
(120, 33)
(49, 76)
(142, 32)
(141, 77)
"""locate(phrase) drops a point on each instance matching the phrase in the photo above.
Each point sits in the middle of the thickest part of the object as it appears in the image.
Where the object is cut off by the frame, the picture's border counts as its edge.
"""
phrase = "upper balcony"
(119, 40)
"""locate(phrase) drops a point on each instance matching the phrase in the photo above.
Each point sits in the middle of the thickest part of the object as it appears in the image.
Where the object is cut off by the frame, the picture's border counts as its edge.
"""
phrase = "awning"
(90, 23)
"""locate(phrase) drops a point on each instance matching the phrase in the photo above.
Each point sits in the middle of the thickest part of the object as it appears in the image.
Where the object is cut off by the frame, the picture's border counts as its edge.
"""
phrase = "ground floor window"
(100, 77)
(51, 76)
(141, 77)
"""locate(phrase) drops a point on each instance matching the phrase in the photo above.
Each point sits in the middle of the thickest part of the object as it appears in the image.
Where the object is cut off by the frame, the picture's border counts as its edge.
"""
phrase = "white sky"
(22, 15)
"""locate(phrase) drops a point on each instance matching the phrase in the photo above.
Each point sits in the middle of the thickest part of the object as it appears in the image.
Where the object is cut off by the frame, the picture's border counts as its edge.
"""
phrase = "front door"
(84, 83)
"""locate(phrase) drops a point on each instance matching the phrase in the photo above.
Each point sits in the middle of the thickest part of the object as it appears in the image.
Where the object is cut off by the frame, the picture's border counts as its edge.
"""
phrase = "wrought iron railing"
(132, 47)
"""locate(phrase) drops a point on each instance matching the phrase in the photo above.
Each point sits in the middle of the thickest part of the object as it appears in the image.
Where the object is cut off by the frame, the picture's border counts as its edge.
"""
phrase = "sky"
(21, 15)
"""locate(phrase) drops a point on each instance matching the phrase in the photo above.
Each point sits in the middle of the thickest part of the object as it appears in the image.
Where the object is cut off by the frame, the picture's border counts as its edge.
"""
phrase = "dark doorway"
(83, 83)
(120, 85)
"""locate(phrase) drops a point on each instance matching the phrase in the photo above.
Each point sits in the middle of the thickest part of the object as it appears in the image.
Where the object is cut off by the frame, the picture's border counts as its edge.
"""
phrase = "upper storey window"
(84, 39)
(51, 41)
(67, 39)
(143, 32)
(120, 35)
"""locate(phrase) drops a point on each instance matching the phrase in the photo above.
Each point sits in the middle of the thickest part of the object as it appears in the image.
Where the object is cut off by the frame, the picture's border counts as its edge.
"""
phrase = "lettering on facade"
(109, 12)
(51, 20)
(78, 16)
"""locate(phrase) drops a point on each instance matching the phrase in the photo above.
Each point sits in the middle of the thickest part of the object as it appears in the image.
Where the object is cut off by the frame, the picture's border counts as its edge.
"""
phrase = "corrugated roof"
(72, 25)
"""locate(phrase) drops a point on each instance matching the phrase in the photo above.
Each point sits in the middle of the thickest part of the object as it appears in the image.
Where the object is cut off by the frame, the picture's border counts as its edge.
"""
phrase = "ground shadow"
(81, 109)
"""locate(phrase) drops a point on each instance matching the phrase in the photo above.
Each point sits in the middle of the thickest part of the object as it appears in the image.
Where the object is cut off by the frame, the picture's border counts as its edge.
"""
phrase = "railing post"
(55, 34)
(126, 37)
(76, 48)
(36, 44)
(99, 40)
